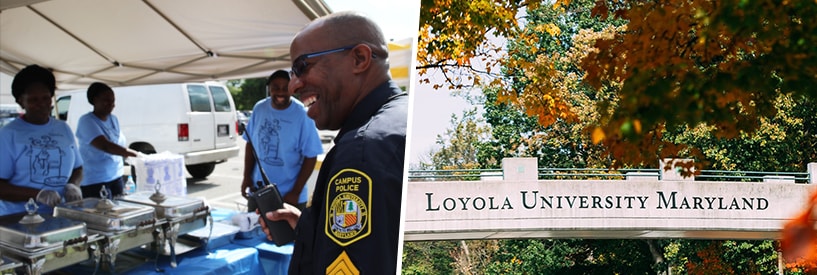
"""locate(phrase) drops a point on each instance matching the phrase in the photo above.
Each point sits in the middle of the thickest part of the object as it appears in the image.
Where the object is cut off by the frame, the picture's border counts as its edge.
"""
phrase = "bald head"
(348, 28)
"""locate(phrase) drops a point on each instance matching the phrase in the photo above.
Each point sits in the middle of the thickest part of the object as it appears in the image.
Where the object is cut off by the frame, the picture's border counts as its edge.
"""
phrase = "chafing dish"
(104, 215)
(122, 225)
(181, 215)
(44, 243)
(8, 265)
(170, 207)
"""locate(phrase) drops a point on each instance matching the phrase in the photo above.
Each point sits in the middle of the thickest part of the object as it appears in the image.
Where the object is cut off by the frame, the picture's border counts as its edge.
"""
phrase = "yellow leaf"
(598, 135)
(637, 126)
(552, 29)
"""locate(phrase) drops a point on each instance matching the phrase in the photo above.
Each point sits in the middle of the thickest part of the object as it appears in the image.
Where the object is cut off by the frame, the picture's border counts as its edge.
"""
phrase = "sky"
(397, 18)
(431, 115)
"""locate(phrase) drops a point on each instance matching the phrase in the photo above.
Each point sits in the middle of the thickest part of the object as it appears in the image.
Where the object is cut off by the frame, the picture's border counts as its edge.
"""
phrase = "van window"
(62, 107)
(199, 98)
(220, 99)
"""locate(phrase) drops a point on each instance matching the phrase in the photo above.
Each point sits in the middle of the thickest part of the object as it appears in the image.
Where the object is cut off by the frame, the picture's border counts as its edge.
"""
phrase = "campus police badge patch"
(347, 211)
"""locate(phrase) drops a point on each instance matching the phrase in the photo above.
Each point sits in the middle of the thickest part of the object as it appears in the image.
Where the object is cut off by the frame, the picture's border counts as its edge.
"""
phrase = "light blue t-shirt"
(36, 156)
(100, 167)
(282, 138)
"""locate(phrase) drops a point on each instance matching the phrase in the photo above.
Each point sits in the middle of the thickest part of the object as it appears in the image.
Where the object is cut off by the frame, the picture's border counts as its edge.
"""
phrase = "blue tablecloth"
(268, 258)
(228, 259)
(275, 259)
(251, 255)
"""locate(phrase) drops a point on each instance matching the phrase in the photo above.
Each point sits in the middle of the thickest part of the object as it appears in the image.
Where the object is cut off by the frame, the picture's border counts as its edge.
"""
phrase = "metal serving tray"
(107, 216)
(173, 208)
(115, 242)
(49, 259)
(8, 265)
(181, 215)
(49, 233)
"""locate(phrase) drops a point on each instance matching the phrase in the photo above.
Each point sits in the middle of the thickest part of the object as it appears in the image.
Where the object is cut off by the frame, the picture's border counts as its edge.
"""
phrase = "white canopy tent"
(133, 42)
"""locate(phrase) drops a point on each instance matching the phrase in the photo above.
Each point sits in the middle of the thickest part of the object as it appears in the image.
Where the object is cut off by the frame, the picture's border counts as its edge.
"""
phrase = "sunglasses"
(299, 66)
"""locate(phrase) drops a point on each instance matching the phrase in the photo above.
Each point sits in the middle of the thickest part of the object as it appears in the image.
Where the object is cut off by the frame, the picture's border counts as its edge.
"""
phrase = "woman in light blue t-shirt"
(38, 153)
(101, 144)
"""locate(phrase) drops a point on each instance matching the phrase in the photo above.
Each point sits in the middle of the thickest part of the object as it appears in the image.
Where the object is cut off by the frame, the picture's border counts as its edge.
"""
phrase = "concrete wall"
(528, 208)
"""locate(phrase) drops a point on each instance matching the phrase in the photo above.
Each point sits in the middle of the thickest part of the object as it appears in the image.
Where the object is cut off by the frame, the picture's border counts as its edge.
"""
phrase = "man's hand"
(48, 197)
(289, 213)
(72, 192)
(246, 184)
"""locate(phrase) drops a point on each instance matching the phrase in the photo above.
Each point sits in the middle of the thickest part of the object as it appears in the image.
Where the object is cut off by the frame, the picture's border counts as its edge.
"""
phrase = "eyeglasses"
(299, 66)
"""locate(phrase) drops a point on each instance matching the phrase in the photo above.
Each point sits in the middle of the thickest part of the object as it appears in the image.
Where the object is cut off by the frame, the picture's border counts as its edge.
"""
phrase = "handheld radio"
(268, 198)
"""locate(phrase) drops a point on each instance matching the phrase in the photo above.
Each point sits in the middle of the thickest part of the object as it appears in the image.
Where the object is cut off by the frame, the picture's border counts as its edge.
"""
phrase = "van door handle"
(197, 140)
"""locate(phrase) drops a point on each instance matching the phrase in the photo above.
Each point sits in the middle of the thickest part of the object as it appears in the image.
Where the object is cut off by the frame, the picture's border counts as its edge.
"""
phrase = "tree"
(673, 64)
(247, 92)
(688, 62)
(785, 142)
(458, 145)
(560, 39)
(453, 32)
(556, 256)
(653, 70)
(428, 257)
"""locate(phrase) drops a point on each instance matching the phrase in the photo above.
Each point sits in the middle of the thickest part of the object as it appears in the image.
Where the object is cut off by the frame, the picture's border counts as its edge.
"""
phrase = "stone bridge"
(519, 205)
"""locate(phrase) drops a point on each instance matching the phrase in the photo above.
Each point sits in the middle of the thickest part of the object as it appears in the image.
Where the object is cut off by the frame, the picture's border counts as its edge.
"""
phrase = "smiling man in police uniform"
(341, 71)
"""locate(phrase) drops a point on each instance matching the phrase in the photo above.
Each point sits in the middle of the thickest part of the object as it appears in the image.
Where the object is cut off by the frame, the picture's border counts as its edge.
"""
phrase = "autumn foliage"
(710, 262)
(721, 63)
(799, 238)
(673, 64)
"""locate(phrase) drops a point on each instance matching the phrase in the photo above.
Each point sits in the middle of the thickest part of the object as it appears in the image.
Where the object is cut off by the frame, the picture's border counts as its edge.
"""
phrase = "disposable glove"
(48, 197)
(72, 192)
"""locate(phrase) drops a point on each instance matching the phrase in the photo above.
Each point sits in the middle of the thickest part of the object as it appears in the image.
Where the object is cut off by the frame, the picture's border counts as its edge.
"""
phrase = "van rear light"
(236, 128)
(184, 132)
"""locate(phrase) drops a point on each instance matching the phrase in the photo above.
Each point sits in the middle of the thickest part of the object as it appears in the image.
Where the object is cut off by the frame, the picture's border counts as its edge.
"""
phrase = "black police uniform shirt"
(353, 224)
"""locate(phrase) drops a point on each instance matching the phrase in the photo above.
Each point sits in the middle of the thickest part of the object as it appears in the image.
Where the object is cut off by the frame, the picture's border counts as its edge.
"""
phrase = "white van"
(196, 120)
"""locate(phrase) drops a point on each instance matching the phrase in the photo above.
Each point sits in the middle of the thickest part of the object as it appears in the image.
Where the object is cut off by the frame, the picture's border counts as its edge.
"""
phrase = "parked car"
(196, 120)
(242, 118)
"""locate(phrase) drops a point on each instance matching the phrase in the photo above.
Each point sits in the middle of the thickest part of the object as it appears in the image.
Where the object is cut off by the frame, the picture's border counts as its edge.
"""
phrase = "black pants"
(115, 188)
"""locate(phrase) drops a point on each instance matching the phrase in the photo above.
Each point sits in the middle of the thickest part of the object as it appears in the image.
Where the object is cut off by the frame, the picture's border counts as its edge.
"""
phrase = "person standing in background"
(341, 71)
(39, 157)
(102, 144)
(287, 143)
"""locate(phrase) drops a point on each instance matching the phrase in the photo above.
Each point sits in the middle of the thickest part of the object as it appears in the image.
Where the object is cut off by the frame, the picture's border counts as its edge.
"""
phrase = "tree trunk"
(466, 258)
(657, 255)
